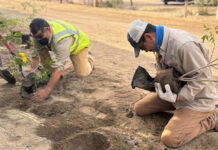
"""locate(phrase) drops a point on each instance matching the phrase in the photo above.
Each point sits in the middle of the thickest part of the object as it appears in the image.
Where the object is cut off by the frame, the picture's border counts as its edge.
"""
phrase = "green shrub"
(202, 9)
(213, 2)
(112, 3)
(107, 3)
(207, 2)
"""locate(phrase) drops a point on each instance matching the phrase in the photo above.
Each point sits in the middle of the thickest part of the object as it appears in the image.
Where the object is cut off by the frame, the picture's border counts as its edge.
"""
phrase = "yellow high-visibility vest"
(62, 30)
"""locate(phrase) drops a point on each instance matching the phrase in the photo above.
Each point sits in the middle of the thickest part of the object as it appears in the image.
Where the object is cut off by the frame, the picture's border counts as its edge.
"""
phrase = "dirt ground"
(95, 112)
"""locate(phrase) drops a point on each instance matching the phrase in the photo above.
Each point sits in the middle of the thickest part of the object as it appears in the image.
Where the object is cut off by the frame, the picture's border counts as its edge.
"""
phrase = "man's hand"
(41, 95)
(168, 95)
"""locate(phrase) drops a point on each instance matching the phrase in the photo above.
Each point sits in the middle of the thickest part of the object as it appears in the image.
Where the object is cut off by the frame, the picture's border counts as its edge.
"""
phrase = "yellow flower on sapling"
(22, 54)
(23, 57)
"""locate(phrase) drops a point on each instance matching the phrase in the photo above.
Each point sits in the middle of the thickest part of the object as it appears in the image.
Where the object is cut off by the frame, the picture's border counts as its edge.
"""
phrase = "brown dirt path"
(109, 26)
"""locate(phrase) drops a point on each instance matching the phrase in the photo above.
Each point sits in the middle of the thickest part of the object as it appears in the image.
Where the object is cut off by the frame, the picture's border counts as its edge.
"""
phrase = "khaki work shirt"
(185, 53)
(59, 53)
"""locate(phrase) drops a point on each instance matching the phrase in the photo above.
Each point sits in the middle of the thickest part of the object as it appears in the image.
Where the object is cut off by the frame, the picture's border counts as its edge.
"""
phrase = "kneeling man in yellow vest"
(63, 40)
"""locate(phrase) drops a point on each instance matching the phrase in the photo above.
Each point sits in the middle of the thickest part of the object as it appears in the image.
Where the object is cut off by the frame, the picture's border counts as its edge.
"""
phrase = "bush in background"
(112, 3)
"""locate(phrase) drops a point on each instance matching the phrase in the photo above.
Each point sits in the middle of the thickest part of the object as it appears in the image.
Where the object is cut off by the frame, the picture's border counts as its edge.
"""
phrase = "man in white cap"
(194, 105)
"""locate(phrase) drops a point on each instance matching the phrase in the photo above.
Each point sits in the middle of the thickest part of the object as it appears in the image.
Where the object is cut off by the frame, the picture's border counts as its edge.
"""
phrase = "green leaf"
(8, 32)
(17, 34)
(204, 37)
(211, 39)
(206, 28)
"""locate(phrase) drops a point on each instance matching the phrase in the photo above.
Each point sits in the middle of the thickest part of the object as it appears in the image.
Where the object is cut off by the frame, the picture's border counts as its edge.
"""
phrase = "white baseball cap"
(134, 34)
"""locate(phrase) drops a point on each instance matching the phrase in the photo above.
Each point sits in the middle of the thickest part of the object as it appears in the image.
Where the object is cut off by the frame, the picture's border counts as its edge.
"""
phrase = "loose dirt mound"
(90, 140)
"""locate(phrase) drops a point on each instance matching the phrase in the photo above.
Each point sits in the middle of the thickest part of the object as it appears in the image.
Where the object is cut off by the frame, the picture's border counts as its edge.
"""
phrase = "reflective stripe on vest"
(67, 31)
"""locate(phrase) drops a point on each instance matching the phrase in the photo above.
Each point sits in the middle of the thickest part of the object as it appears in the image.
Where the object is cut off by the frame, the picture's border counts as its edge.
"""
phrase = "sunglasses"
(141, 43)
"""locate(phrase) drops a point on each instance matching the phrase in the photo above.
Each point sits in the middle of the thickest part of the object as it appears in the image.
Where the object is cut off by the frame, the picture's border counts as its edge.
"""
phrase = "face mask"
(43, 41)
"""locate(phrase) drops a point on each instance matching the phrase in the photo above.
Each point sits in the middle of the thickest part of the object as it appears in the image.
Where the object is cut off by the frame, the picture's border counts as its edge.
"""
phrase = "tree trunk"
(131, 3)
(186, 8)
(94, 3)
(217, 12)
(97, 3)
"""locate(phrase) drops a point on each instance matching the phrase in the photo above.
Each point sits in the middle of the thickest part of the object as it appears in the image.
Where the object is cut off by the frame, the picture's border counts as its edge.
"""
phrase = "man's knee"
(83, 71)
(139, 109)
(169, 139)
(81, 74)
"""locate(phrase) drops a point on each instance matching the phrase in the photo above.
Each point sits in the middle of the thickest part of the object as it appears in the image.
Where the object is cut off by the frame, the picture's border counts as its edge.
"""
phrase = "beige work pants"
(83, 63)
(185, 125)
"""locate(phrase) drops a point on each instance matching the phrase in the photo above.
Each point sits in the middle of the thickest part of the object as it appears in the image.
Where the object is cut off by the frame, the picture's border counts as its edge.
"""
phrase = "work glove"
(168, 95)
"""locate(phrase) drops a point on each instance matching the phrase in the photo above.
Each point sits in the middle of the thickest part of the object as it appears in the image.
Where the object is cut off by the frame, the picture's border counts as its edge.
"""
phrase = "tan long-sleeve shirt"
(185, 53)
(59, 53)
